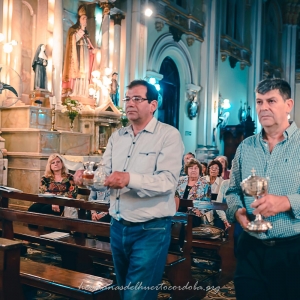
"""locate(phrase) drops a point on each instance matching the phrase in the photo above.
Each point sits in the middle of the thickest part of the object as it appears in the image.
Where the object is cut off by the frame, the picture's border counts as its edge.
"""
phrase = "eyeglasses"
(214, 169)
(135, 99)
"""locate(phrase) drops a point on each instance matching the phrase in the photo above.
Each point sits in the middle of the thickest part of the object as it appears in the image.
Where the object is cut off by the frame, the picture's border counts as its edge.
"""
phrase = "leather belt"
(276, 242)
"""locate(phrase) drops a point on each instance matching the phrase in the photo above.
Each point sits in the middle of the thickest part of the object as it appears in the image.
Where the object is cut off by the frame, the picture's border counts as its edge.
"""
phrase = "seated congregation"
(88, 244)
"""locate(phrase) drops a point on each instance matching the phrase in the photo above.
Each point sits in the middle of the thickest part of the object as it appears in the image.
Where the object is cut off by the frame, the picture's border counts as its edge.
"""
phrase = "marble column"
(209, 61)
(255, 70)
(57, 53)
(135, 41)
(117, 41)
(16, 54)
(42, 23)
(106, 6)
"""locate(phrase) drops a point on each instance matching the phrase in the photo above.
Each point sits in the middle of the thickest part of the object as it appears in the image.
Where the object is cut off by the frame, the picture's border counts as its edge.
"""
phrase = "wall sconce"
(223, 117)
(223, 104)
(153, 81)
(7, 47)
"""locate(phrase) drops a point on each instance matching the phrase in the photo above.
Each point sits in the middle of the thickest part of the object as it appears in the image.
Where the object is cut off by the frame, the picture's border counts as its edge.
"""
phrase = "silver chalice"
(256, 186)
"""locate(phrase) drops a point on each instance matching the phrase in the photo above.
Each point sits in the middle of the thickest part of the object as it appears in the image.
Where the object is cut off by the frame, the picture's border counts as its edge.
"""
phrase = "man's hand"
(241, 217)
(227, 224)
(117, 180)
(55, 208)
(97, 217)
(270, 205)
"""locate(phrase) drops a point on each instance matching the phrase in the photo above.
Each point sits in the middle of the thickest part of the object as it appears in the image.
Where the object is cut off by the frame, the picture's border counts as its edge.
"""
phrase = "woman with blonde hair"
(56, 181)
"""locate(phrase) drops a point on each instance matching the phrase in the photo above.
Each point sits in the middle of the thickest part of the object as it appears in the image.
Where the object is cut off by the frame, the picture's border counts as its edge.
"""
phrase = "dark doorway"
(168, 110)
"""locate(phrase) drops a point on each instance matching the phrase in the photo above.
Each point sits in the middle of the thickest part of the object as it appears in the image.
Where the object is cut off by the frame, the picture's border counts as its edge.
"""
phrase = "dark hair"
(281, 85)
(114, 73)
(190, 163)
(203, 163)
(190, 153)
(216, 162)
(151, 94)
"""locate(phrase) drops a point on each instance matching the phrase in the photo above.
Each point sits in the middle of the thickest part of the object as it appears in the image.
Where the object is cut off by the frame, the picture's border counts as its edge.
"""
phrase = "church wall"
(233, 86)
(187, 127)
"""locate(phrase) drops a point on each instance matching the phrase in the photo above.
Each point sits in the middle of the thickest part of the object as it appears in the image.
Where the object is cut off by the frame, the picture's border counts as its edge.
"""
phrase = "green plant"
(123, 119)
(72, 108)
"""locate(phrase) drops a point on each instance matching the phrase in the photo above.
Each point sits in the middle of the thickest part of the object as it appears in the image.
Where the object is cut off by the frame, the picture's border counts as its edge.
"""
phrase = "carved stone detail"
(190, 40)
(159, 24)
(117, 18)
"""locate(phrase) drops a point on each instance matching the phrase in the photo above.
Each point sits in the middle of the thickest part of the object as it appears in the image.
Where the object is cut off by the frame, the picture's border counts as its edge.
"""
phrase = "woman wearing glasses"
(193, 187)
(215, 180)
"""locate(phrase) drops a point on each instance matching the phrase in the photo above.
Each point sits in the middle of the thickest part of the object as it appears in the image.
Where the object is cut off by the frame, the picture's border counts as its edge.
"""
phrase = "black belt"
(128, 223)
(274, 242)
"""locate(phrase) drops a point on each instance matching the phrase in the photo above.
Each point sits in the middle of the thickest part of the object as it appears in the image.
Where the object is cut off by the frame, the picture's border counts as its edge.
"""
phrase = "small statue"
(39, 64)
(114, 87)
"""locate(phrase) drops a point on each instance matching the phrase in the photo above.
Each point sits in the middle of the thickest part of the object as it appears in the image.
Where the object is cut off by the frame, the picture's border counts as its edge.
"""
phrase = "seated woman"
(192, 187)
(215, 180)
(98, 196)
(221, 198)
(223, 160)
(56, 181)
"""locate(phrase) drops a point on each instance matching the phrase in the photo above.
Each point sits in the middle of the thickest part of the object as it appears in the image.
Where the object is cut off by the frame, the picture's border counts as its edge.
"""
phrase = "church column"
(117, 41)
(255, 70)
(57, 53)
(16, 54)
(290, 45)
(106, 6)
(209, 62)
(42, 26)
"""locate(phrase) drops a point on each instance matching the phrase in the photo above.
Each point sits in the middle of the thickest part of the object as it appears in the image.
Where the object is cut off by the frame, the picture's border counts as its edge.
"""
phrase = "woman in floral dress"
(56, 181)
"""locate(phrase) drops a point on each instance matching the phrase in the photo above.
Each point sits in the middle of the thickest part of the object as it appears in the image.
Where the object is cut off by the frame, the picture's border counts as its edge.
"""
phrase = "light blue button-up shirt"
(153, 159)
(281, 167)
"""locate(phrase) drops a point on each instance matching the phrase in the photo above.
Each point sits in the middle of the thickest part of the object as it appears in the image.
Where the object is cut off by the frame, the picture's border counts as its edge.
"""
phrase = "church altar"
(29, 140)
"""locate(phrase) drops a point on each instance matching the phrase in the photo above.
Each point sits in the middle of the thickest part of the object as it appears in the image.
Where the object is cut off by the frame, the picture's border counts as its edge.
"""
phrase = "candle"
(53, 100)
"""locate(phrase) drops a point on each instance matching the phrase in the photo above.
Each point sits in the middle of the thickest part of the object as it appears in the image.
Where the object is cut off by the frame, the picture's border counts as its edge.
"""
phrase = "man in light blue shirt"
(144, 161)
(268, 264)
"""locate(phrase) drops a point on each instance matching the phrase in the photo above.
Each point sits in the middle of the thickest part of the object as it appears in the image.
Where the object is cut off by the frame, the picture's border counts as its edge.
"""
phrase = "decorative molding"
(236, 51)
(188, 24)
(176, 33)
(152, 74)
(190, 40)
(117, 18)
(223, 57)
(106, 7)
(159, 24)
(271, 71)
(165, 46)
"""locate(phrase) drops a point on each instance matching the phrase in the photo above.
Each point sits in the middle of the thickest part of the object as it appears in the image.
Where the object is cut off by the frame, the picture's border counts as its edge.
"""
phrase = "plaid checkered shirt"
(281, 167)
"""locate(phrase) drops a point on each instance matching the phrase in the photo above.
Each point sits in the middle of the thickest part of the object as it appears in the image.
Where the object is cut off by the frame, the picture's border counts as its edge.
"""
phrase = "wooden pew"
(219, 250)
(77, 249)
(10, 284)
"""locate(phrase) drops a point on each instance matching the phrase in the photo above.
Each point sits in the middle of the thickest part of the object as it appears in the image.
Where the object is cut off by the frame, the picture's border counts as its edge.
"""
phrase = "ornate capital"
(117, 18)
(106, 6)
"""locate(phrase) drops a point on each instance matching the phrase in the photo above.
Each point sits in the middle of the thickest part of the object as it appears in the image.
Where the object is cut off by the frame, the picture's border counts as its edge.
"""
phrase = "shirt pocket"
(145, 162)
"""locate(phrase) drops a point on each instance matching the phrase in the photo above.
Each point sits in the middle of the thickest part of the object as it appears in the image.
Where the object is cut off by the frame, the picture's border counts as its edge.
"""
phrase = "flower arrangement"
(72, 108)
(124, 120)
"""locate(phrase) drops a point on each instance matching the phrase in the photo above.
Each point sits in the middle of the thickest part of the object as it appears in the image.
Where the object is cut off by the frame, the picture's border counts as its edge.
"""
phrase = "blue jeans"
(139, 254)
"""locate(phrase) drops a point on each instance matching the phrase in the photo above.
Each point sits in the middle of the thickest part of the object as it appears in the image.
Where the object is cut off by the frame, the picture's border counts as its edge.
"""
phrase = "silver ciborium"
(256, 186)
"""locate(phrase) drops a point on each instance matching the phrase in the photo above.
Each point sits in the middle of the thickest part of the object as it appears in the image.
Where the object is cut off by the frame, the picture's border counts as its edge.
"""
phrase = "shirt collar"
(287, 133)
(150, 127)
